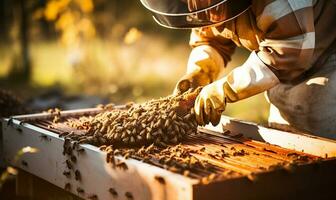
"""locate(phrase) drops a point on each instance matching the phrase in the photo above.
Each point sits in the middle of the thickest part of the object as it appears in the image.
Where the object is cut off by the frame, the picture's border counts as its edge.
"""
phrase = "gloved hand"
(210, 103)
(251, 78)
(204, 66)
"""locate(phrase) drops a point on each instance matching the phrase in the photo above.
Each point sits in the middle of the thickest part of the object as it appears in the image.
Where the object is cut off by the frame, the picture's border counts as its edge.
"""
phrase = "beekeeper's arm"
(209, 56)
(284, 54)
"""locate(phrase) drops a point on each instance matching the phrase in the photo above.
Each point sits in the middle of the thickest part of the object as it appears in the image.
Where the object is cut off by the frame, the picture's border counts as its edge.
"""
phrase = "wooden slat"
(299, 142)
(307, 182)
(97, 175)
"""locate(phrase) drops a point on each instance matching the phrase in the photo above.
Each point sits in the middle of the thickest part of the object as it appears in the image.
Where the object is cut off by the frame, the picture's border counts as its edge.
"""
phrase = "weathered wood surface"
(314, 145)
(311, 180)
(97, 176)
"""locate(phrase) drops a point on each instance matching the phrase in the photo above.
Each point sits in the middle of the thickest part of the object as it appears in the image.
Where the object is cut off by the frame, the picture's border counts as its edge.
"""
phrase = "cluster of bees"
(163, 121)
(69, 149)
(177, 158)
(56, 113)
(150, 132)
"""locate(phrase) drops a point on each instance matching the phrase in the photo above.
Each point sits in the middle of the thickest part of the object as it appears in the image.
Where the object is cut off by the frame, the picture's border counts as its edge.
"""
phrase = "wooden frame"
(144, 181)
(311, 144)
(49, 164)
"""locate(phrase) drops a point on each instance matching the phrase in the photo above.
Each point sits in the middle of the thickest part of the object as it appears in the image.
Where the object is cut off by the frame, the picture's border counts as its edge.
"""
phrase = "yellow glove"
(210, 103)
(251, 78)
(204, 66)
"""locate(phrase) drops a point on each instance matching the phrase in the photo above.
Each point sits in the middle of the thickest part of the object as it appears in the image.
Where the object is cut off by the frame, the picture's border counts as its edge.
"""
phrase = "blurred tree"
(5, 13)
(72, 18)
(21, 67)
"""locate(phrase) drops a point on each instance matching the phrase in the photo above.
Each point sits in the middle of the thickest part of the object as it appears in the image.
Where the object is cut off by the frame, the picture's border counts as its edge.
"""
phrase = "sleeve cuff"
(251, 78)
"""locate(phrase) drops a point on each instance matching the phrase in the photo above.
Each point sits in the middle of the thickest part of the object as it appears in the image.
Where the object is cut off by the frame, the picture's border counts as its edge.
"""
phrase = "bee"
(117, 152)
(148, 136)
(75, 145)
(24, 163)
(125, 140)
(127, 155)
(240, 153)
(226, 132)
(143, 132)
(56, 119)
(22, 122)
(290, 167)
(93, 197)
(129, 195)
(73, 159)
(67, 174)
(252, 177)
(122, 165)
(132, 140)
(250, 146)
(173, 169)
(68, 151)
(212, 156)
(139, 138)
(67, 186)
(113, 192)
(292, 154)
(205, 180)
(80, 190)
(186, 172)
(57, 111)
(50, 126)
(77, 175)
(84, 140)
(167, 123)
(109, 156)
(67, 142)
(160, 179)
(269, 150)
(212, 176)
(67, 147)
(44, 137)
(100, 106)
(10, 121)
(80, 150)
(186, 117)
(68, 164)
(102, 148)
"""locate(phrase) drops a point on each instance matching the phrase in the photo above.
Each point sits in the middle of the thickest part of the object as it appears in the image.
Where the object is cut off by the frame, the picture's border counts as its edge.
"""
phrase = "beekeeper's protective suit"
(293, 57)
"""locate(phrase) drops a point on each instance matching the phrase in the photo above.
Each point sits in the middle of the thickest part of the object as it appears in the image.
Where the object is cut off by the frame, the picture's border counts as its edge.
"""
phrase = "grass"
(147, 69)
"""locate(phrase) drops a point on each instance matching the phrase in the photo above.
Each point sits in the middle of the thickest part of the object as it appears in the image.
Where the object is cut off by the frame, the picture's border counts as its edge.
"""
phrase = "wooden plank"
(66, 113)
(314, 181)
(46, 115)
(29, 186)
(299, 142)
(49, 164)
(140, 180)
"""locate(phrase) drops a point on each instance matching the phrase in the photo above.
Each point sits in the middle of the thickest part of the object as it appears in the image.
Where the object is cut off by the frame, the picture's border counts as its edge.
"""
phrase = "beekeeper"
(293, 57)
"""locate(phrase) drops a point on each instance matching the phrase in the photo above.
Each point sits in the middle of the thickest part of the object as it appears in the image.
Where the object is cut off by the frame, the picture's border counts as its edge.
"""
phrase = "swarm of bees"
(177, 158)
(56, 112)
(163, 121)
